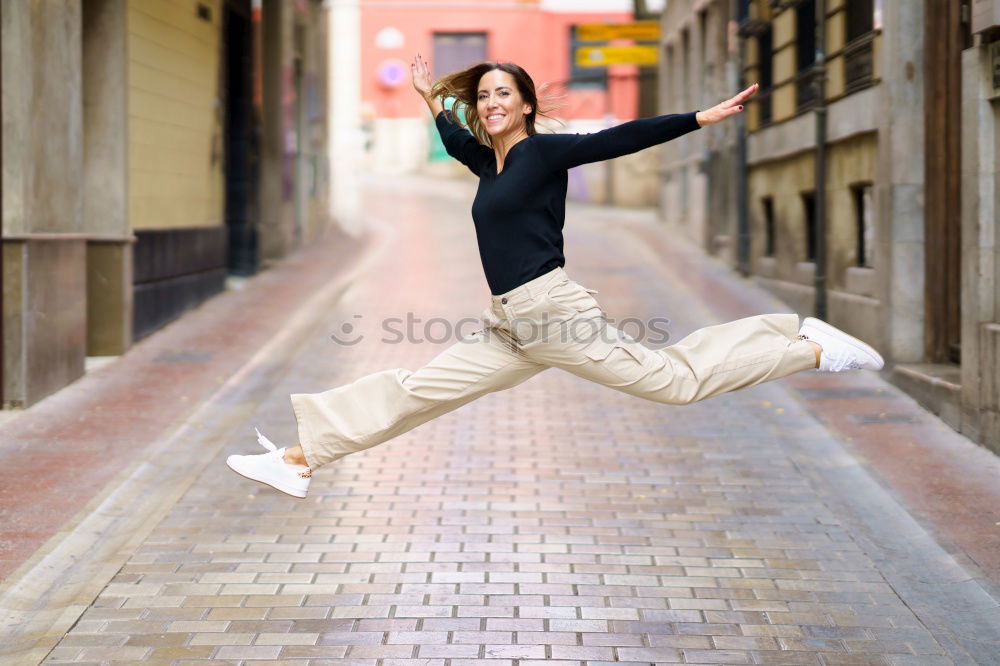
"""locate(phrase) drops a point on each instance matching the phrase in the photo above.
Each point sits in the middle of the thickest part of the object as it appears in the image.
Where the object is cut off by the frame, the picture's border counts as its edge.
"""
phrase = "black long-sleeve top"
(519, 213)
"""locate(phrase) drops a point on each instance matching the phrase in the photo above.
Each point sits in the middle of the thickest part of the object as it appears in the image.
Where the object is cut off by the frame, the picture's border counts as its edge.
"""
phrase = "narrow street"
(811, 520)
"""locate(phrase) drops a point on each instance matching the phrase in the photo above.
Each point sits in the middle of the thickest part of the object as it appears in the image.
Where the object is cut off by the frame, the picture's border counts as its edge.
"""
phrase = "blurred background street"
(199, 196)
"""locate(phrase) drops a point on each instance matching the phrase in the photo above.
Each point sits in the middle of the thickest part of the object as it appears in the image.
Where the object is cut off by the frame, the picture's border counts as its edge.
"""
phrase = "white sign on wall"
(389, 38)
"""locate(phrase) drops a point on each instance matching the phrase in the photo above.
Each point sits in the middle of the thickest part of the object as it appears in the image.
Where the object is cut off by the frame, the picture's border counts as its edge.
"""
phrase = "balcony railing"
(748, 20)
(805, 90)
(859, 63)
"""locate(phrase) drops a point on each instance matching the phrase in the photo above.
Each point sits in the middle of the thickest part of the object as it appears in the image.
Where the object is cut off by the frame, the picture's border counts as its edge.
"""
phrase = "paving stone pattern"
(560, 522)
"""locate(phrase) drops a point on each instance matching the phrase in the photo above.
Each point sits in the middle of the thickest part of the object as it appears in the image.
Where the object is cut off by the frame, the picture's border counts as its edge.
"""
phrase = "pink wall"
(535, 40)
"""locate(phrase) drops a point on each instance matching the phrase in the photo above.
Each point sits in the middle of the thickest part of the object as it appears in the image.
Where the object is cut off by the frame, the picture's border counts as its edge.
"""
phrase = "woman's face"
(499, 104)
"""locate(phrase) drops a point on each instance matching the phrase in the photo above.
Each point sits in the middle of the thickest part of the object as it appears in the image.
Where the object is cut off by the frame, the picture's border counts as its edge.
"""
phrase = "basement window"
(809, 216)
(769, 230)
(864, 224)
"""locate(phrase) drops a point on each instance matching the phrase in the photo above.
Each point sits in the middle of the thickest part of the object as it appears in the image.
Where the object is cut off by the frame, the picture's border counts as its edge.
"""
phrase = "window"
(858, 52)
(584, 77)
(764, 49)
(765, 75)
(742, 10)
(671, 68)
(703, 52)
(805, 35)
(805, 53)
(860, 18)
(864, 224)
(809, 215)
(454, 51)
(686, 91)
(769, 231)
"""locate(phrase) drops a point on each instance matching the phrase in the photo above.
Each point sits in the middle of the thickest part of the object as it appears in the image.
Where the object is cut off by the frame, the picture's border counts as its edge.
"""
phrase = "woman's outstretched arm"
(563, 151)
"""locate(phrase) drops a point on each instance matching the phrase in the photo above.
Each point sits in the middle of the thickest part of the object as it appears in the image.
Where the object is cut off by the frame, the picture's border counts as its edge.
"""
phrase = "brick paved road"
(560, 521)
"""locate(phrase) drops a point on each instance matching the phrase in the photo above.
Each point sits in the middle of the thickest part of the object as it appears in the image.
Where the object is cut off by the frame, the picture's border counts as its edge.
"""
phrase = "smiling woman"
(538, 317)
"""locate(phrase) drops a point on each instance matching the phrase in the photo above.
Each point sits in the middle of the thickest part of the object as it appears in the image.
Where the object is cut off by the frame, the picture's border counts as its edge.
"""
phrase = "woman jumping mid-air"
(539, 317)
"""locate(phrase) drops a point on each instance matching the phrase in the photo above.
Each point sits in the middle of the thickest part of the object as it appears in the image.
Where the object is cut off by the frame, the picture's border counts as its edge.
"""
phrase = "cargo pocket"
(626, 359)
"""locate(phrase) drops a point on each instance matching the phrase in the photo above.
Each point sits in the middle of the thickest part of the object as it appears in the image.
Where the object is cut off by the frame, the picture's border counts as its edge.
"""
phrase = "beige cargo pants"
(550, 321)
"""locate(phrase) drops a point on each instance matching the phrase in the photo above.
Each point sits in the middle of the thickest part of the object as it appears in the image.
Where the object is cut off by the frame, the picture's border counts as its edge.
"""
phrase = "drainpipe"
(742, 200)
(2, 362)
(819, 200)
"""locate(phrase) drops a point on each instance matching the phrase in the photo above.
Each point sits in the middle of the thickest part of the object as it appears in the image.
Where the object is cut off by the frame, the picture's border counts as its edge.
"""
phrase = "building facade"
(150, 150)
(869, 171)
(387, 126)
(697, 70)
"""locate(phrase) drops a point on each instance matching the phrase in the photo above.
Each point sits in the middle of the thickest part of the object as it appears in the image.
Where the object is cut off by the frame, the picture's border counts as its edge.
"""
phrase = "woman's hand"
(422, 84)
(421, 76)
(730, 107)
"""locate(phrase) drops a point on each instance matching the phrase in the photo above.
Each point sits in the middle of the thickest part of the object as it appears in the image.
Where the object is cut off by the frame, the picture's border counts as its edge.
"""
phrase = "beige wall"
(849, 162)
(783, 180)
(175, 130)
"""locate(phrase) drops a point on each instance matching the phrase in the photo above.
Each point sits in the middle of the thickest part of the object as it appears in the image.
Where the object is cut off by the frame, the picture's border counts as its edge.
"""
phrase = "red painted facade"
(519, 32)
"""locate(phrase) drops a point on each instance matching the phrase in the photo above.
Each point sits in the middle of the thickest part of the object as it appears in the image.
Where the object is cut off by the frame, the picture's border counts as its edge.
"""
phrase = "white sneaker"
(271, 469)
(840, 350)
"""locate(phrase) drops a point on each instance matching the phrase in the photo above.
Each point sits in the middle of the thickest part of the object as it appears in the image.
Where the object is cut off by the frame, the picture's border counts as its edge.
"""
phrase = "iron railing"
(859, 63)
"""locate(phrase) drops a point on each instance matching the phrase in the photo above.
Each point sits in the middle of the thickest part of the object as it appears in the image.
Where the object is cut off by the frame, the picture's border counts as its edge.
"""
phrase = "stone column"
(980, 395)
(105, 177)
(900, 180)
(346, 138)
(44, 251)
(275, 202)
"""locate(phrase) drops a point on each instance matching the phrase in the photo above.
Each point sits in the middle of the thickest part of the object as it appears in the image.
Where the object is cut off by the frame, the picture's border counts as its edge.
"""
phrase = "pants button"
(504, 301)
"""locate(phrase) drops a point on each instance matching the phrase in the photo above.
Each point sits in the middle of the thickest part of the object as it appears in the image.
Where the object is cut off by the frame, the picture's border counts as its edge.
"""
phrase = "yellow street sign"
(644, 31)
(602, 56)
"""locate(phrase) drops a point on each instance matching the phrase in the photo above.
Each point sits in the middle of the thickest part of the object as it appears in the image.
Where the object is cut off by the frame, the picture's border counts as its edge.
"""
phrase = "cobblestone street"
(561, 521)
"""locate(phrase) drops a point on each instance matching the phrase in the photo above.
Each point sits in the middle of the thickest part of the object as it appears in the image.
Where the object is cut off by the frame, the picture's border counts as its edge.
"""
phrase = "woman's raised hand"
(730, 107)
(421, 76)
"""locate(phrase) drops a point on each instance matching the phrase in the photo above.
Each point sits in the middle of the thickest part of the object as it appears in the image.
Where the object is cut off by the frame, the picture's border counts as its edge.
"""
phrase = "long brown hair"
(464, 87)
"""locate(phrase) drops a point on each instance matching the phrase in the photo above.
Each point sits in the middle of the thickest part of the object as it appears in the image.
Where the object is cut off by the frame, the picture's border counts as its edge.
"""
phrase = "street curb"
(45, 596)
(954, 607)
